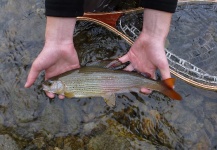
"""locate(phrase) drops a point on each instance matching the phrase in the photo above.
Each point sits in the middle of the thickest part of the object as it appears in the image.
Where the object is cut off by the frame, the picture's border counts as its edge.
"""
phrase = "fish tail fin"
(169, 89)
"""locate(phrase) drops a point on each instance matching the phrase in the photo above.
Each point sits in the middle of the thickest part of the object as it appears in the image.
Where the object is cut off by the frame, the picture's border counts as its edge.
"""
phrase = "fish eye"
(48, 82)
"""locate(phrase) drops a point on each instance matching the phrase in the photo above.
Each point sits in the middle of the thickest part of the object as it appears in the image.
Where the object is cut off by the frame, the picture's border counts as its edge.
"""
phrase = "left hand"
(147, 53)
(146, 56)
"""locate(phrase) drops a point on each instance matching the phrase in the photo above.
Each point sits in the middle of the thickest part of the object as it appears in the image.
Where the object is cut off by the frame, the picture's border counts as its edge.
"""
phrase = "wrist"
(150, 39)
(156, 24)
(59, 30)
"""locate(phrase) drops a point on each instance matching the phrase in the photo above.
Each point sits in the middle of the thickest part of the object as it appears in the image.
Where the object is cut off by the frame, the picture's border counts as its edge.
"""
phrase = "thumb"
(124, 58)
(33, 74)
(165, 72)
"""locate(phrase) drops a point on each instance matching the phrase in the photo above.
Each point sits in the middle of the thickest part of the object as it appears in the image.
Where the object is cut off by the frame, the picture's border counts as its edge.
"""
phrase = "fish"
(93, 81)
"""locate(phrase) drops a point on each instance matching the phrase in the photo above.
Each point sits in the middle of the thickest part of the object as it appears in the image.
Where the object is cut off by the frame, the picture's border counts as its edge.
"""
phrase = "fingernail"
(25, 85)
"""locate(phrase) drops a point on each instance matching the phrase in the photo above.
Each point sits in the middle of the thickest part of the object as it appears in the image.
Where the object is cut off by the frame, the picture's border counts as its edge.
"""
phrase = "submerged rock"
(7, 143)
(112, 138)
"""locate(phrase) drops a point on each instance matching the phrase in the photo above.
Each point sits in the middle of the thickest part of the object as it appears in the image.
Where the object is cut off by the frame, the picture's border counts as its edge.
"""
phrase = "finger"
(165, 72)
(153, 75)
(129, 68)
(50, 95)
(33, 74)
(61, 96)
(124, 58)
(145, 90)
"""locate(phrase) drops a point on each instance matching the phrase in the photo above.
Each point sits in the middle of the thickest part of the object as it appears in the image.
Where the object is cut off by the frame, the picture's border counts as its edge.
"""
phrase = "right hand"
(54, 59)
(59, 54)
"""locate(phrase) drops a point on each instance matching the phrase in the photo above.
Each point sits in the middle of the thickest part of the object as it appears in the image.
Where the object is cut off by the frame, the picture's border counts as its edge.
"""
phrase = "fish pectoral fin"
(110, 99)
(69, 94)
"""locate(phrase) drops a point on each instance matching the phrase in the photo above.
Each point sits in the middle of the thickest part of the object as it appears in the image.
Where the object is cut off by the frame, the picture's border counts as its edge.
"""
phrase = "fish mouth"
(46, 86)
(47, 89)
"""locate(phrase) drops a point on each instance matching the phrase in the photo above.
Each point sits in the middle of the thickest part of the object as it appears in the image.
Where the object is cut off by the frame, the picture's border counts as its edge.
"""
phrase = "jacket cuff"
(57, 8)
(162, 5)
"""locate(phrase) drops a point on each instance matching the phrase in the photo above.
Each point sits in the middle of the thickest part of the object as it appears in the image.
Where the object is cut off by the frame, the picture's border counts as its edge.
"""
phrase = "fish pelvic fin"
(169, 89)
(69, 94)
(110, 99)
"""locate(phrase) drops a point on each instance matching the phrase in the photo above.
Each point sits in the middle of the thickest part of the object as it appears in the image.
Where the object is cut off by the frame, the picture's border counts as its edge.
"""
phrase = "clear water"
(30, 120)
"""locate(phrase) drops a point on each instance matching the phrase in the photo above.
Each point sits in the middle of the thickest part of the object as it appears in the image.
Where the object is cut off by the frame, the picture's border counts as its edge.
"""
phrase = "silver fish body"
(95, 81)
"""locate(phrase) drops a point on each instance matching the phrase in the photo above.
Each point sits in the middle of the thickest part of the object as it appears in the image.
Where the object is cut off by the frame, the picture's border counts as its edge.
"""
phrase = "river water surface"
(30, 120)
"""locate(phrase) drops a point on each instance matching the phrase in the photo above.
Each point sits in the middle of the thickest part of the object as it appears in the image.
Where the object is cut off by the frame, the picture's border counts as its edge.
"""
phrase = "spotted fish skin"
(95, 81)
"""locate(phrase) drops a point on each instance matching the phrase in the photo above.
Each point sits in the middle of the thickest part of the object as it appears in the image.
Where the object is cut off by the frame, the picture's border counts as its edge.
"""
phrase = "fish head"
(53, 86)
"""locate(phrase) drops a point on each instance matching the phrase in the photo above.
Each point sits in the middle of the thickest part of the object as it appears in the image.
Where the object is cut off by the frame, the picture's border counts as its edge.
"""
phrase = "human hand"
(59, 54)
(54, 59)
(147, 53)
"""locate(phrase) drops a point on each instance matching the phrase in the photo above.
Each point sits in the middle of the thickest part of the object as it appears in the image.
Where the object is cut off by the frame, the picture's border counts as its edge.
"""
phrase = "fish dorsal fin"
(117, 65)
(145, 74)
(113, 64)
(170, 82)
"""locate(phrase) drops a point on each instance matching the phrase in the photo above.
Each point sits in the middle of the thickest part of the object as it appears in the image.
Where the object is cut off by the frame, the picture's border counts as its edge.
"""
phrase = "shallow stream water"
(30, 120)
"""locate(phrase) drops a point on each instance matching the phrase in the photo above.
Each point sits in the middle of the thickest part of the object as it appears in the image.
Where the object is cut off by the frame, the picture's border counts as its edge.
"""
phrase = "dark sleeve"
(163, 5)
(64, 8)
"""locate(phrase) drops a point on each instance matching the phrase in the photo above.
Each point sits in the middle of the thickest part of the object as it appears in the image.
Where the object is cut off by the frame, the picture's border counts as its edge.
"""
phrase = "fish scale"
(103, 82)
